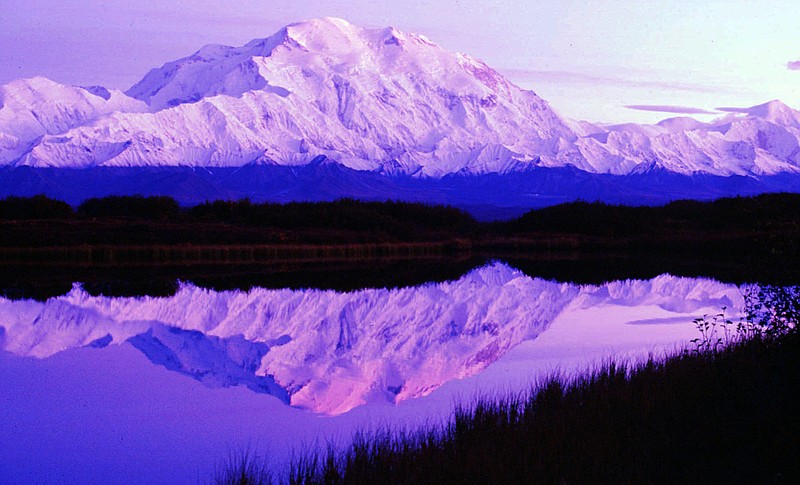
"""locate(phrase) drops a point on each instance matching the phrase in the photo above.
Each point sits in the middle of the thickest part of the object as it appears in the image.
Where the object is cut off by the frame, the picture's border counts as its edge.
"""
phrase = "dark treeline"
(152, 220)
(340, 214)
(32, 208)
(417, 221)
(743, 239)
(681, 217)
(744, 229)
(157, 208)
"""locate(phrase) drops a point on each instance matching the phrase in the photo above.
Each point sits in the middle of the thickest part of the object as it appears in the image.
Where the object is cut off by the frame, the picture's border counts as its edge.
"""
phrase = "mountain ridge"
(377, 101)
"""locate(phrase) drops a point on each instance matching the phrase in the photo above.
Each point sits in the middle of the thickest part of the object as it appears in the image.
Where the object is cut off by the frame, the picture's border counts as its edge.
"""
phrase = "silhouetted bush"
(398, 220)
(243, 469)
(156, 208)
(36, 207)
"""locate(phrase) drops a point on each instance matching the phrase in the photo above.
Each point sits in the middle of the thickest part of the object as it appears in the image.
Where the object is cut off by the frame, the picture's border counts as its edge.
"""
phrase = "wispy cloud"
(793, 65)
(732, 109)
(685, 110)
(530, 75)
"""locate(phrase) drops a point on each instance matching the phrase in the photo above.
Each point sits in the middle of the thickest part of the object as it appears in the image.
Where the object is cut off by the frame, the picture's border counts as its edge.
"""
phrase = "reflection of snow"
(333, 351)
(213, 361)
(108, 404)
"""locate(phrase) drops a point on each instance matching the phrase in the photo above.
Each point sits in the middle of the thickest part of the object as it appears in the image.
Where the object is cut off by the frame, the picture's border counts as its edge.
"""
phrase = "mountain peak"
(774, 111)
(324, 24)
(769, 106)
(327, 34)
(219, 69)
(333, 27)
(213, 51)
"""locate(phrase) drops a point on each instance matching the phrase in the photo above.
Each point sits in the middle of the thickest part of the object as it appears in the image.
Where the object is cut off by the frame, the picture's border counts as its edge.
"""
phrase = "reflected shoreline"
(135, 272)
(134, 246)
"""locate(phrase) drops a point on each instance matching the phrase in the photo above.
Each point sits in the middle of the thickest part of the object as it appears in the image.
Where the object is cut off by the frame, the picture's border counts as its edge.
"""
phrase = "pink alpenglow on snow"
(157, 389)
(377, 100)
(330, 352)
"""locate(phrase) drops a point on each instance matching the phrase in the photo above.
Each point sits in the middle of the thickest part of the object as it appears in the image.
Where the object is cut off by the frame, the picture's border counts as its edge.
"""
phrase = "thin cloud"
(793, 65)
(531, 75)
(731, 109)
(684, 110)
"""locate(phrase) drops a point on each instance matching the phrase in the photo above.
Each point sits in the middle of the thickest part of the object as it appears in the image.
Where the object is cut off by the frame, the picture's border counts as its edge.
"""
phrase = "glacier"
(372, 99)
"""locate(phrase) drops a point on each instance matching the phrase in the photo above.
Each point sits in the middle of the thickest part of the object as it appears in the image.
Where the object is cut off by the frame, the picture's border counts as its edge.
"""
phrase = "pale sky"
(590, 59)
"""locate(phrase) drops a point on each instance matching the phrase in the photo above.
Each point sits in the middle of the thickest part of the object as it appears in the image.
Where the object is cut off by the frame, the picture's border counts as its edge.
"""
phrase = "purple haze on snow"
(726, 53)
(373, 100)
(162, 389)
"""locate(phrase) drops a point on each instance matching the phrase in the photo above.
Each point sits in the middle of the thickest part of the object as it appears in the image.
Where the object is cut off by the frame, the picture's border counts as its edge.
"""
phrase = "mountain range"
(324, 109)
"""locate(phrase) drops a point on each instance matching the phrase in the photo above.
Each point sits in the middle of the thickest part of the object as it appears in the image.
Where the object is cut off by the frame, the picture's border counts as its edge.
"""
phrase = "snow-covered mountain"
(37, 108)
(329, 351)
(762, 140)
(370, 99)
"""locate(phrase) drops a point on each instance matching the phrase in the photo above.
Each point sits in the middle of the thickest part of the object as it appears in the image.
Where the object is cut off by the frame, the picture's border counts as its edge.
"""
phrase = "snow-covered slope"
(762, 140)
(371, 99)
(329, 351)
(33, 108)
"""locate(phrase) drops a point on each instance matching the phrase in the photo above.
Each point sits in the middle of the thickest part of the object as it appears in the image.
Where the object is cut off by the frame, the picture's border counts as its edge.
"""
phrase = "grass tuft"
(243, 469)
